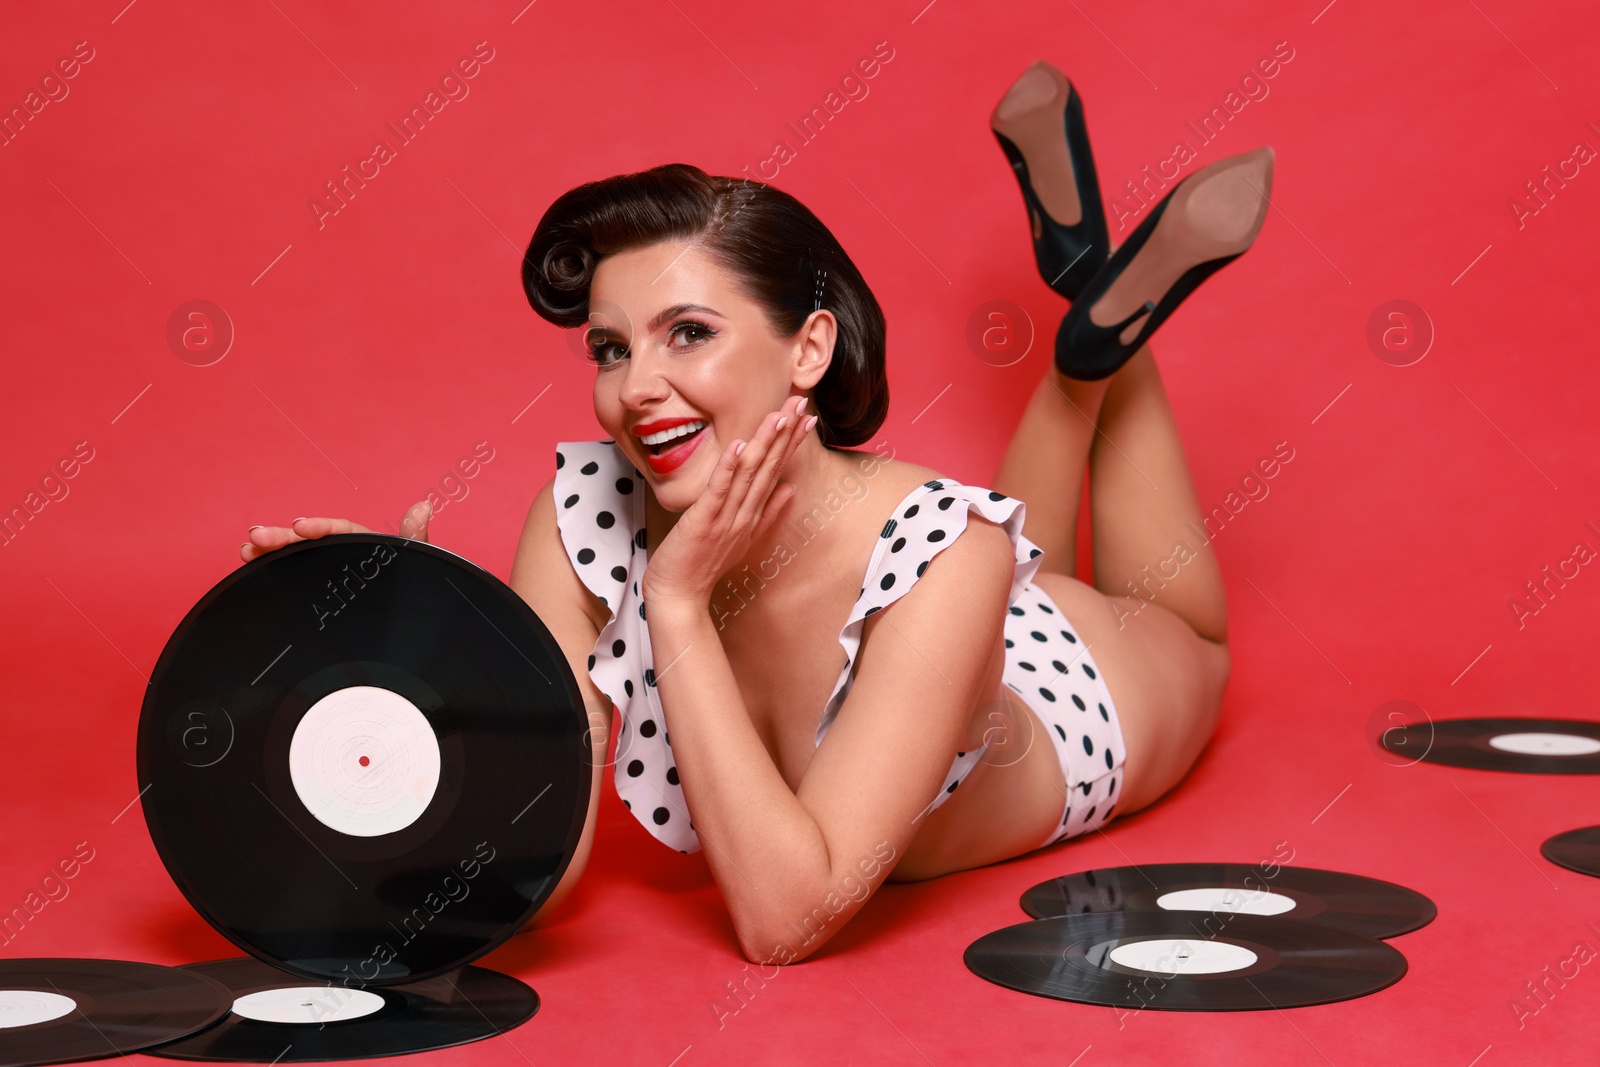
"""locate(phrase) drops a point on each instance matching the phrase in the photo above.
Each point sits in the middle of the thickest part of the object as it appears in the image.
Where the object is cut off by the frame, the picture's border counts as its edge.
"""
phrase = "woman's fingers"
(787, 430)
(306, 529)
(415, 523)
(264, 539)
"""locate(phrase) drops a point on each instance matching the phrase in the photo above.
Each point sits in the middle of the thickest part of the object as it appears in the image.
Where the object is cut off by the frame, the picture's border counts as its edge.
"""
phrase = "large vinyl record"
(1171, 961)
(362, 758)
(67, 1010)
(1526, 746)
(278, 1018)
(1350, 902)
(1576, 850)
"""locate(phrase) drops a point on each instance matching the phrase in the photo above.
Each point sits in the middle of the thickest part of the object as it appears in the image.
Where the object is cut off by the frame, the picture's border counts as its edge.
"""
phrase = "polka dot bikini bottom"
(1049, 665)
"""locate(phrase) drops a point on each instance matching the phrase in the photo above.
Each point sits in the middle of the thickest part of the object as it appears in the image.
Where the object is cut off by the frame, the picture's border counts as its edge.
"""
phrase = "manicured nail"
(244, 546)
(812, 421)
(738, 448)
(300, 519)
(781, 423)
(253, 529)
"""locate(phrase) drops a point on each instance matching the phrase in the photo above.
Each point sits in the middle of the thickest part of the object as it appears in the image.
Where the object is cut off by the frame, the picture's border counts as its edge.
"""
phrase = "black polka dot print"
(602, 526)
(1089, 747)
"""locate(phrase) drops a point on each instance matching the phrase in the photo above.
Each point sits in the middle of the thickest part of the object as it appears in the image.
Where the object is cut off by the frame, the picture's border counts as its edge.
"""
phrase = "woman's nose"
(641, 375)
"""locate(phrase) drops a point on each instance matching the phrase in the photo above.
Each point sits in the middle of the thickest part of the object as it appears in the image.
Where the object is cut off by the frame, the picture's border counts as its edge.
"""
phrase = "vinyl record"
(364, 759)
(66, 1010)
(279, 1018)
(1576, 850)
(1180, 961)
(1527, 746)
(1349, 902)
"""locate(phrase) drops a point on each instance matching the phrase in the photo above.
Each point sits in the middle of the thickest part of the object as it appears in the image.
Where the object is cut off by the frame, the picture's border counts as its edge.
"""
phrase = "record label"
(1162, 955)
(1226, 899)
(364, 761)
(29, 1007)
(1536, 744)
(309, 1005)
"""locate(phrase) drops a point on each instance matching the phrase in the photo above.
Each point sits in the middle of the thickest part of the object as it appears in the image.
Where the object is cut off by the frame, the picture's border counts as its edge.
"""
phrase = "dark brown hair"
(771, 243)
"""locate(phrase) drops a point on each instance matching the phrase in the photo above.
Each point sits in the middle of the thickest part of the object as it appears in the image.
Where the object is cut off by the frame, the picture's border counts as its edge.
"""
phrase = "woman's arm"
(781, 858)
(542, 575)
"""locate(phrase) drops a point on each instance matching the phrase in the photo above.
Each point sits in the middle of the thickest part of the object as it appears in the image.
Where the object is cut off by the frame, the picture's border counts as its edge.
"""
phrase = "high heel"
(1029, 122)
(1212, 218)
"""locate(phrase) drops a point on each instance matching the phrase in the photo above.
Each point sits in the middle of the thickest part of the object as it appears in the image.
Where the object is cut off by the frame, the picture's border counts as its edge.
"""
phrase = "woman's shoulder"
(904, 481)
(930, 512)
(898, 477)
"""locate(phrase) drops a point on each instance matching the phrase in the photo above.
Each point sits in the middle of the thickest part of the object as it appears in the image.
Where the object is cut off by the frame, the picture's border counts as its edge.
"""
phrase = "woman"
(705, 566)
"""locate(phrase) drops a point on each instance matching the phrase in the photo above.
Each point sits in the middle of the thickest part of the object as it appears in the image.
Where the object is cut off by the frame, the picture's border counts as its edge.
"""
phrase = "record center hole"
(364, 761)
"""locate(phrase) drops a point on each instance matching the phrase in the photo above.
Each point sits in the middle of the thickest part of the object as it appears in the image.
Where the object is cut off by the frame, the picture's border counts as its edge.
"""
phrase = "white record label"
(1227, 899)
(25, 1007)
(1169, 956)
(365, 761)
(1546, 744)
(307, 1004)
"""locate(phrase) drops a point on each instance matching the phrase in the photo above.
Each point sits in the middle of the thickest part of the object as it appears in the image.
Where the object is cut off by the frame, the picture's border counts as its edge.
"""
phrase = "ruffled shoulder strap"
(597, 492)
(929, 519)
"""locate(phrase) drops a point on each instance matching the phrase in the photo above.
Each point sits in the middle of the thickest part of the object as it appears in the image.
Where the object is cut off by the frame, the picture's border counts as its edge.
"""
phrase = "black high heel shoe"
(1029, 122)
(1212, 218)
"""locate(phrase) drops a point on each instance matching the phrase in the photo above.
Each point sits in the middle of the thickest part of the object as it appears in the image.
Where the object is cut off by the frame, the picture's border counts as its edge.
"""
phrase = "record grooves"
(1168, 961)
(1524, 746)
(1576, 850)
(364, 759)
(280, 1018)
(1350, 902)
(66, 1010)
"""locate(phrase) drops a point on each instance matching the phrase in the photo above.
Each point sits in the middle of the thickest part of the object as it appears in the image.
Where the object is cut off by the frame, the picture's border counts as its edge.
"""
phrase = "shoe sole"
(1029, 116)
(1215, 212)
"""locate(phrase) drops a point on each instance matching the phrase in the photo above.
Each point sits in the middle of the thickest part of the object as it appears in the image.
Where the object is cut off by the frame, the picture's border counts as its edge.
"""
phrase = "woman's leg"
(1143, 507)
(1162, 642)
(1045, 464)
(1150, 545)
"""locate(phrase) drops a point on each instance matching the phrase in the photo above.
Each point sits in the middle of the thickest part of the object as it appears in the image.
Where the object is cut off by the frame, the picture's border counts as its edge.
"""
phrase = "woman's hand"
(264, 539)
(737, 507)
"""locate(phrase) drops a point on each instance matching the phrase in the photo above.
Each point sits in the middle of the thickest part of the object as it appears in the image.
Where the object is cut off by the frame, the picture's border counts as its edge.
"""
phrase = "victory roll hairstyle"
(777, 251)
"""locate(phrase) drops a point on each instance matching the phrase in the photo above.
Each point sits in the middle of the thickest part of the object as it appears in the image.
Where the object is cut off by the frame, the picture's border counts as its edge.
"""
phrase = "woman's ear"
(814, 348)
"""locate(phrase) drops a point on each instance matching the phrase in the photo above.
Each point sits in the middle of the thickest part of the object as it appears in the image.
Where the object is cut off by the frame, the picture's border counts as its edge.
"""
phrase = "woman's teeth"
(656, 442)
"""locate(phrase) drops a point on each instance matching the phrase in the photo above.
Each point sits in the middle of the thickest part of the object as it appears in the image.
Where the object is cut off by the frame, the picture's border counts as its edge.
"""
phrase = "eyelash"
(594, 353)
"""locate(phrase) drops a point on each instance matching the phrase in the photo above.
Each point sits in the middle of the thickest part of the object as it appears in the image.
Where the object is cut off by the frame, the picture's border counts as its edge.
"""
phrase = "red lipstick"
(677, 455)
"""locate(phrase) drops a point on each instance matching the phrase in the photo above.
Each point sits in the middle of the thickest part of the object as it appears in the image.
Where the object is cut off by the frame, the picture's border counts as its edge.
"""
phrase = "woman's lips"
(678, 454)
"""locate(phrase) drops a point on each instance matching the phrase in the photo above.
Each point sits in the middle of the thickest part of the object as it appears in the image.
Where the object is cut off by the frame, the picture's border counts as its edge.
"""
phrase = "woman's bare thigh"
(1165, 681)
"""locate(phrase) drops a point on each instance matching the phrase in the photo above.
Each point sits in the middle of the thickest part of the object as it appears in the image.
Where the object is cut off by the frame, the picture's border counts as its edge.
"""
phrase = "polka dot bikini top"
(600, 511)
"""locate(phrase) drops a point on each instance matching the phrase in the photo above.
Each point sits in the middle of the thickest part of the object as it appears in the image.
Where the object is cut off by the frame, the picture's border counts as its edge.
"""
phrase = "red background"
(372, 353)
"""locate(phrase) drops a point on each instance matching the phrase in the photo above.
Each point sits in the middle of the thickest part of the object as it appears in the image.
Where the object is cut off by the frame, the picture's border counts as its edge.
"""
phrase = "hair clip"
(822, 281)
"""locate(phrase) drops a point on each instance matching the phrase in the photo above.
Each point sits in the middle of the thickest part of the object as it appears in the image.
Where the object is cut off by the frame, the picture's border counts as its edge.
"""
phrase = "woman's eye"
(693, 327)
(597, 353)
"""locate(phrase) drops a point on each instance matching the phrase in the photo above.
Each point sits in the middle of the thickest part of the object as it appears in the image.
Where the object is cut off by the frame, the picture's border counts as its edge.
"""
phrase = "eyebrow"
(660, 318)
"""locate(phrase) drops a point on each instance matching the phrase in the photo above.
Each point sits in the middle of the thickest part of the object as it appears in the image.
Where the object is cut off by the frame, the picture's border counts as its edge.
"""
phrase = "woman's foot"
(1040, 127)
(1211, 218)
